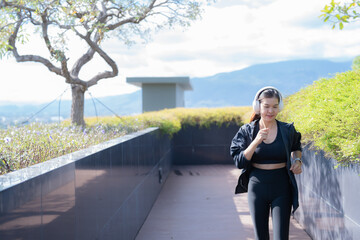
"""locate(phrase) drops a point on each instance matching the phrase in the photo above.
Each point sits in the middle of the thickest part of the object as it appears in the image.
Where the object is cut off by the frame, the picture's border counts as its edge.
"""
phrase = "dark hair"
(267, 93)
(254, 117)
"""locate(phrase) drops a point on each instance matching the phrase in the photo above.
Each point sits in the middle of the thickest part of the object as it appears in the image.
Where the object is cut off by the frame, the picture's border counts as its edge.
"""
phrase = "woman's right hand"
(262, 135)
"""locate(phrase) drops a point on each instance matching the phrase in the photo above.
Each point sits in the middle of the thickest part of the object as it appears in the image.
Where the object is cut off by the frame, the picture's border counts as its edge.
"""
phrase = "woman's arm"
(262, 135)
(296, 166)
(240, 151)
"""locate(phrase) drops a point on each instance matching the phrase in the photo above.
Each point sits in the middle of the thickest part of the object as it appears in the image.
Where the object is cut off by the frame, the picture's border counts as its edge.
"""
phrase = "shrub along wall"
(170, 121)
(24, 146)
(327, 115)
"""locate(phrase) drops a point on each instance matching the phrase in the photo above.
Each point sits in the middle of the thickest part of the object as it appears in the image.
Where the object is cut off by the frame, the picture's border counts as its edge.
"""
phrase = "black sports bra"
(274, 152)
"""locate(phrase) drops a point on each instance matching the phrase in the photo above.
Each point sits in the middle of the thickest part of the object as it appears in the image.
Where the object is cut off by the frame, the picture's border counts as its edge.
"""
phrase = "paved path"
(198, 203)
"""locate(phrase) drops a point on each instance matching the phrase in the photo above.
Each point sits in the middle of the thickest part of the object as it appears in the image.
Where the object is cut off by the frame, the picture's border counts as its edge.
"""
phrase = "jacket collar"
(254, 123)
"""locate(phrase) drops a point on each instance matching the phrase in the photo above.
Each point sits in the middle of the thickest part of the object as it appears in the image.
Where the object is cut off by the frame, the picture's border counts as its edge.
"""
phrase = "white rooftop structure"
(161, 92)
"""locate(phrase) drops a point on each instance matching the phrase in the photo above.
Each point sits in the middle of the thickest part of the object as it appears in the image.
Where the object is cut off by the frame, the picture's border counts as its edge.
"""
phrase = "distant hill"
(235, 88)
(239, 87)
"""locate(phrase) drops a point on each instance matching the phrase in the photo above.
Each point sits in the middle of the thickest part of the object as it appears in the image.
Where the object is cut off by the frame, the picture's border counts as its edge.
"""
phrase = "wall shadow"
(327, 197)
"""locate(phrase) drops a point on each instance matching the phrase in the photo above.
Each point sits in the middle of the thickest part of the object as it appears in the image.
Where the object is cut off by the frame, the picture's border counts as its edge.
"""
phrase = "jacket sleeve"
(296, 141)
(237, 148)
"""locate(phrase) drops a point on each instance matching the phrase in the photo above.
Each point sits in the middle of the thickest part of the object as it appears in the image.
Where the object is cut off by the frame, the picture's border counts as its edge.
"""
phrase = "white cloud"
(231, 35)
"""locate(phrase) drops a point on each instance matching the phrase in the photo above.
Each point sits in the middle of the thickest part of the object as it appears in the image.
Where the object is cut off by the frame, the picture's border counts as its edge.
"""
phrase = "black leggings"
(270, 189)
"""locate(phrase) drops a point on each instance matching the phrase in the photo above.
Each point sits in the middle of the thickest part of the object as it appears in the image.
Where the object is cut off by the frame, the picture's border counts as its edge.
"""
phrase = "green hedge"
(34, 143)
(327, 113)
(171, 121)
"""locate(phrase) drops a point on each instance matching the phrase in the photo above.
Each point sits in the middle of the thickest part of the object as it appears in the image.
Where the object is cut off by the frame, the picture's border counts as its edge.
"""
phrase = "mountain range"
(236, 88)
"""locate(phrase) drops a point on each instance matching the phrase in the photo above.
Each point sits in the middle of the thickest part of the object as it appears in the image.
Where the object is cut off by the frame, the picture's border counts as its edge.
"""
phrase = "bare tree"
(91, 21)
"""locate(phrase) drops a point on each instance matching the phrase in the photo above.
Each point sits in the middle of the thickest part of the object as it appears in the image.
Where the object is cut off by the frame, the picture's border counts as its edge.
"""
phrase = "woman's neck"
(266, 124)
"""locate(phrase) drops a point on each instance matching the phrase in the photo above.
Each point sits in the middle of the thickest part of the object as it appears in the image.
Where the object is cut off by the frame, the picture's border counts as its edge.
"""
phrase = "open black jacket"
(242, 140)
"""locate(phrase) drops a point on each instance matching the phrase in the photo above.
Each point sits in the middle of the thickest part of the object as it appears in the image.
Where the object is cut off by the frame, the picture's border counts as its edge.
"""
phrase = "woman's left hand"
(296, 167)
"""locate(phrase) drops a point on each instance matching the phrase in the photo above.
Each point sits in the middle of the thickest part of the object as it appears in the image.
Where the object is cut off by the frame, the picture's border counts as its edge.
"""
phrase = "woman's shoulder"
(249, 126)
(246, 129)
(288, 126)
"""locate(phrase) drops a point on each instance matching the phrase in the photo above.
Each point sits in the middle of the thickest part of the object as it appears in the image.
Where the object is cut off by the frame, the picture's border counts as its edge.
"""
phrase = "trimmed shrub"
(327, 113)
(171, 121)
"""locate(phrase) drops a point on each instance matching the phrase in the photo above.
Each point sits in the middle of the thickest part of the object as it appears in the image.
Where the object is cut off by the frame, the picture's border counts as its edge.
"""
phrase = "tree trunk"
(77, 105)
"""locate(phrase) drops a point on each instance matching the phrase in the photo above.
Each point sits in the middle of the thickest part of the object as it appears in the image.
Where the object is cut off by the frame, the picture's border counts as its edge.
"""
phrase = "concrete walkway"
(198, 203)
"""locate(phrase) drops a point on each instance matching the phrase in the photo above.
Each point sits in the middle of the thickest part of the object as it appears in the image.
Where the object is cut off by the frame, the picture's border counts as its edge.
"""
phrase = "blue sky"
(231, 35)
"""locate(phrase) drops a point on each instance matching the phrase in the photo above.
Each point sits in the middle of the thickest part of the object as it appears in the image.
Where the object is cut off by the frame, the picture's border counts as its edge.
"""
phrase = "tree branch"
(29, 58)
(57, 54)
(106, 74)
(135, 20)
(84, 59)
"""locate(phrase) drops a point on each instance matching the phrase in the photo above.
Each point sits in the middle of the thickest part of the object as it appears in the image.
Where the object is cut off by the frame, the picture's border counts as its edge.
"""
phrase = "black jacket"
(242, 140)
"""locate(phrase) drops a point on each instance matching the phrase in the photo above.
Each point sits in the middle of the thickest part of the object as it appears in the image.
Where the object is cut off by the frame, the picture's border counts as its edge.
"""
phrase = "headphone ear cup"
(256, 106)
(281, 105)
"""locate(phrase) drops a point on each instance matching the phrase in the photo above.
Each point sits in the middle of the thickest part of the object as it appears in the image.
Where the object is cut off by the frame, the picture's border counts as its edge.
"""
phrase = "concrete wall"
(194, 145)
(104, 192)
(158, 96)
(180, 96)
(329, 198)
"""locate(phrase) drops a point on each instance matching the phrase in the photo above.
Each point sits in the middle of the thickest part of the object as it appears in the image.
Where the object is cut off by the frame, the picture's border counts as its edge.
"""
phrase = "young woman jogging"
(269, 153)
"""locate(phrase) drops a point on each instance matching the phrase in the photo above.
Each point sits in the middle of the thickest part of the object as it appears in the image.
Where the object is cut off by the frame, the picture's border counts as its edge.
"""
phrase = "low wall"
(194, 145)
(103, 192)
(106, 191)
(329, 198)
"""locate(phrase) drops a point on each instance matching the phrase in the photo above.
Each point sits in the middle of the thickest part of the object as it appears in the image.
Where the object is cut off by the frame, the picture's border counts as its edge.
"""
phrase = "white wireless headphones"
(256, 102)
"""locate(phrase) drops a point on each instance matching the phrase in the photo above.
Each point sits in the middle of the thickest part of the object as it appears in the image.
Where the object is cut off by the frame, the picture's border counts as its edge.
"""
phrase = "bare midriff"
(269, 166)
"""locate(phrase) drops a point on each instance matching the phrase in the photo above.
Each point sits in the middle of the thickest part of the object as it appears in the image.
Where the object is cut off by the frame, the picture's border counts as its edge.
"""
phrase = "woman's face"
(269, 108)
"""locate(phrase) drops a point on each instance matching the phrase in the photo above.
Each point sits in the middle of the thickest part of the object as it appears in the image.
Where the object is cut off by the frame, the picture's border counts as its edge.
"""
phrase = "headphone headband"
(256, 102)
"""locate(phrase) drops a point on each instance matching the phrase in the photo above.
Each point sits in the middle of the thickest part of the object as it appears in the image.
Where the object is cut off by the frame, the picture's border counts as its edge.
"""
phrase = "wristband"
(298, 159)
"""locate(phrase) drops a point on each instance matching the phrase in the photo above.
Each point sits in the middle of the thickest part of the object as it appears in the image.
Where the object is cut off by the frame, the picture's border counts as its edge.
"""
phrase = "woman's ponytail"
(254, 117)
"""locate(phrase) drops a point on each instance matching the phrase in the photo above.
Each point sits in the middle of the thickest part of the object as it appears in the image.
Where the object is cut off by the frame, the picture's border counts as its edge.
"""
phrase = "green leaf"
(341, 25)
(345, 19)
(326, 9)
(327, 18)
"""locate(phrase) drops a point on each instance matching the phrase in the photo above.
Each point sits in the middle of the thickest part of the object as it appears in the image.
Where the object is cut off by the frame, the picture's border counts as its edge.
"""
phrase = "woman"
(269, 152)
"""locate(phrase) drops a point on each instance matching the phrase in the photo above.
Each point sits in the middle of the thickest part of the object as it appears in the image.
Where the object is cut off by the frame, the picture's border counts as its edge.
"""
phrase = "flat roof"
(184, 82)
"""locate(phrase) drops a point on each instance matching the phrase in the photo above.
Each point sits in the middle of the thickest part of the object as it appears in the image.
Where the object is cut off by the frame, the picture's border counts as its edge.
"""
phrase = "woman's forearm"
(296, 154)
(249, 151)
